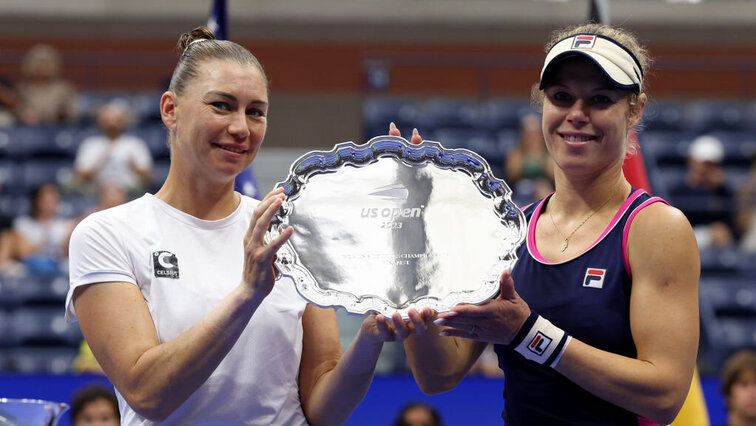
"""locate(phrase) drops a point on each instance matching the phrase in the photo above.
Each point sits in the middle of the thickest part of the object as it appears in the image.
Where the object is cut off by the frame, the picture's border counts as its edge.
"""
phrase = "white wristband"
(541, 341)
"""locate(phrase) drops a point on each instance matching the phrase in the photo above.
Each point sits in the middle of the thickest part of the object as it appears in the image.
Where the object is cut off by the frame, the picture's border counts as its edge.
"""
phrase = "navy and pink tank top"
(588, 297)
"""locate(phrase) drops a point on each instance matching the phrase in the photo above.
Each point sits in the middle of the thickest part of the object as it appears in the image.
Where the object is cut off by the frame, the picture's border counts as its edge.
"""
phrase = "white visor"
(618, 64)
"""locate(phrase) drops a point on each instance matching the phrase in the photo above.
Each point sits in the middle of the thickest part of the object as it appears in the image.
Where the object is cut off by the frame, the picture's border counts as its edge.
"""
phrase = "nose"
(239, 127)
(578, 113)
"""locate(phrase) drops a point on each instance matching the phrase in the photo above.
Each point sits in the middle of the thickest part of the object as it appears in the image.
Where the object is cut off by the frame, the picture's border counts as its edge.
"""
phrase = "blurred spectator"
(113, 156)
(43, 96)
(95, 406)
(529, 169)
(42, 241)
(8, 98)
(705, 197)
(739, 388)
(418, 414)
(746, 196)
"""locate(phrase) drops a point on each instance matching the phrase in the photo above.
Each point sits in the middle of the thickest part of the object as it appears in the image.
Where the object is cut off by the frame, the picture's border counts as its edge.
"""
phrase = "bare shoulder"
(660, 219)
(661, 241)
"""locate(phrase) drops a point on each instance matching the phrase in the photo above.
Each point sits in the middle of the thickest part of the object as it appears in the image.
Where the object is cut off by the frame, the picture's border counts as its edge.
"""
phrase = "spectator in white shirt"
(113, 156)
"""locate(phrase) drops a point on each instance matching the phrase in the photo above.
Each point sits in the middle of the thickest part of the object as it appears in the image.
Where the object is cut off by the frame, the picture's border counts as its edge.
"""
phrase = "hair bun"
(197, 34)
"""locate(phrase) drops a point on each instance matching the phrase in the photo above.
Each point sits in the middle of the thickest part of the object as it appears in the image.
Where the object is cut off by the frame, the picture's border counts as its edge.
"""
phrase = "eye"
(561, 97)
(602, 100)
(220, 105)
(255, 112)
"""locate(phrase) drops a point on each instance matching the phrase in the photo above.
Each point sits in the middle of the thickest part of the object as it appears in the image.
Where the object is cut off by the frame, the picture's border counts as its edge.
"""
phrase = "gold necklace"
(566, 240)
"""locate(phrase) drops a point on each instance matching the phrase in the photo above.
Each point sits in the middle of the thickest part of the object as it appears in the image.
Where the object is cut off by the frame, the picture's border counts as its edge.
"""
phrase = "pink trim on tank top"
(537, 213)
(626, 231)
(642, 421)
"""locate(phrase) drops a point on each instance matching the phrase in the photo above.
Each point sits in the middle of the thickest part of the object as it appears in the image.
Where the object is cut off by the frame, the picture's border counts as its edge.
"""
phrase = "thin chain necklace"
(566, 240)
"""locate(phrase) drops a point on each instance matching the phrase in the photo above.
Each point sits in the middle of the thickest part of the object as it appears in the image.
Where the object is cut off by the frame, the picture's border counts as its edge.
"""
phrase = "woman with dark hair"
(40, 239)
(176, 292)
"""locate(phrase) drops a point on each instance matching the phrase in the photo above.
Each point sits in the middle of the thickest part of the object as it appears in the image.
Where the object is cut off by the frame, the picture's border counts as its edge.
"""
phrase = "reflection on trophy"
(387, 226)
(30, 412)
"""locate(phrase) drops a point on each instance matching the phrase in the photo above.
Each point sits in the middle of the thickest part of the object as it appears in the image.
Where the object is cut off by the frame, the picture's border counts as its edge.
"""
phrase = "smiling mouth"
(573, 138)
(237, 150)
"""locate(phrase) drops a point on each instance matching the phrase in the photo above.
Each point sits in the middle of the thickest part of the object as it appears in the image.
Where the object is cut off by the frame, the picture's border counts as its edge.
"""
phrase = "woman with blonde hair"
(597, 323)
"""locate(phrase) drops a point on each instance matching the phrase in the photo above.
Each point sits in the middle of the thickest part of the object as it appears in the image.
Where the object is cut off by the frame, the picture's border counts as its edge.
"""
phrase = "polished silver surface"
(30, 412)
(386, 226)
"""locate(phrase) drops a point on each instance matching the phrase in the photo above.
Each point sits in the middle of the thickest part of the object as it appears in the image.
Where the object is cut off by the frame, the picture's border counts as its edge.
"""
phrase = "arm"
(439, 363)
(331, 385)
(156, 378)
(663, 318)
(440, 358)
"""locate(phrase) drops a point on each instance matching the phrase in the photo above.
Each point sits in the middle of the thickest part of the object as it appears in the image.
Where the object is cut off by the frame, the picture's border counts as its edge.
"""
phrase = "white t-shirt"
(184, 266)
(113, 159)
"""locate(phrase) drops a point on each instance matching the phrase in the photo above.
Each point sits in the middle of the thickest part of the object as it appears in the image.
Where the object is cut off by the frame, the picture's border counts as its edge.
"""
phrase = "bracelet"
(541, 341)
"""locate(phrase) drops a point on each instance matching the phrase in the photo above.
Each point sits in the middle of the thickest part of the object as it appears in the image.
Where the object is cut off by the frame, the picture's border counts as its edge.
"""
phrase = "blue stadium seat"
(34, 289)
(51, 360)
(25, 141)
(666, 179)
(720, 261)
(41, 171)
(706, 115)
(666, 147)
(155, 136)
(463, 138)
(146, 107)
(730, 296)
(664, 115)
(11, 177)
(728, 318)
(43, 325)
(88, 103)
(739, 333)
(506, 113)
(451, 113)
(377, 113)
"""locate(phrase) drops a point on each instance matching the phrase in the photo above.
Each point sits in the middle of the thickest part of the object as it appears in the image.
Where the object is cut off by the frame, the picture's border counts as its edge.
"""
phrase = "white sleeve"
(96, 255)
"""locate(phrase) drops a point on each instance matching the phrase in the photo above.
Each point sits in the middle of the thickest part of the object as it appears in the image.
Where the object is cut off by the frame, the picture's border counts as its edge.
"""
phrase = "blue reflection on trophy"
(30, 412)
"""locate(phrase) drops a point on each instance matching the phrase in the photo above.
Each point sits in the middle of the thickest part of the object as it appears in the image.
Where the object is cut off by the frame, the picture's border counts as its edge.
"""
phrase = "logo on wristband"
(539, 344)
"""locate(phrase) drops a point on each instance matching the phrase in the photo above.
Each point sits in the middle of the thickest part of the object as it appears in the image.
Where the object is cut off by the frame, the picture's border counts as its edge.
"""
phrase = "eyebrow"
(232, 97)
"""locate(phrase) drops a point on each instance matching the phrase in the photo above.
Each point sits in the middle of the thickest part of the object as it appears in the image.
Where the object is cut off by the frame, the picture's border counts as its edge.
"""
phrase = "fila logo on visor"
(539, 344)
(594, 278)
(165, 264)
(584, 42)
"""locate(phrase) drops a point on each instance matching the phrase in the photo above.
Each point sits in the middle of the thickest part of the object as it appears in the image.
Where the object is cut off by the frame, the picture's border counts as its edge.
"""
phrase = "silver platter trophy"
(387, 226)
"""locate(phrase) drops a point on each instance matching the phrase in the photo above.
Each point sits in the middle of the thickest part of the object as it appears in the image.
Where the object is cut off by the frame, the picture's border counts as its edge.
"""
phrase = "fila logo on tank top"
(594, 278)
